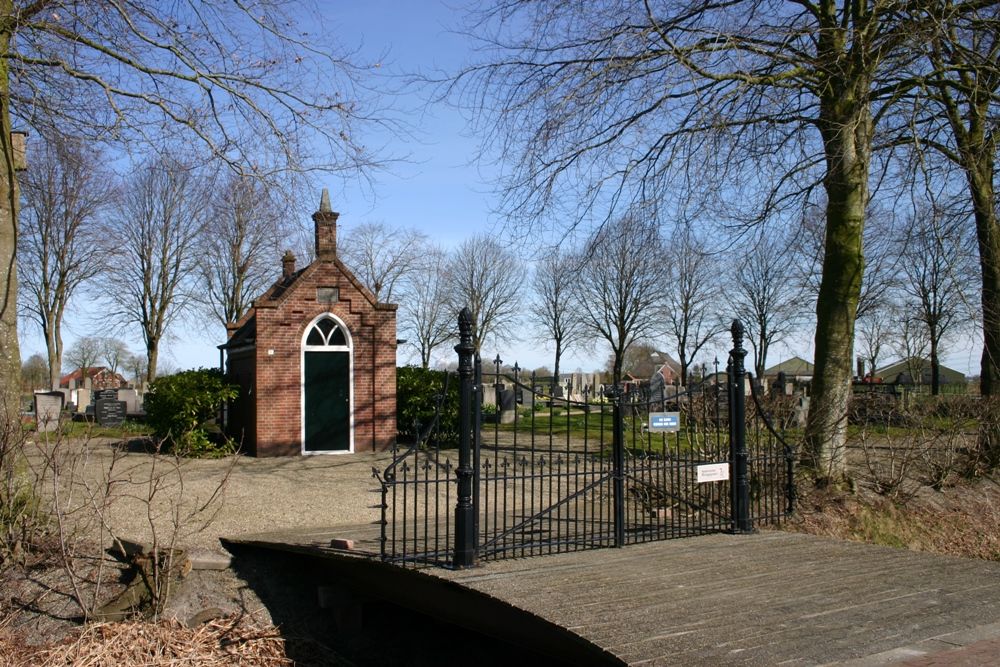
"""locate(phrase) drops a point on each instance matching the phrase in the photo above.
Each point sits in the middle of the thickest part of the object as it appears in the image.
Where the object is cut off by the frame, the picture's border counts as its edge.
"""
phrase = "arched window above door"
(326, 333)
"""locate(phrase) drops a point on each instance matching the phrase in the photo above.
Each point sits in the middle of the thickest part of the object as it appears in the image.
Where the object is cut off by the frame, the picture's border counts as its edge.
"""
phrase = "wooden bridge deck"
(768, 598)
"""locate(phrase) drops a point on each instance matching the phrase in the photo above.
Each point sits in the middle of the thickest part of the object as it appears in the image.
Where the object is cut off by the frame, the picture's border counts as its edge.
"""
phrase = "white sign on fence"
(713, 472)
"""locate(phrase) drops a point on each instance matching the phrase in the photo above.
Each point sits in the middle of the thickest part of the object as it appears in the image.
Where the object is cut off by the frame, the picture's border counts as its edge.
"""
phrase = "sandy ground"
(104, 488)
(191, 503)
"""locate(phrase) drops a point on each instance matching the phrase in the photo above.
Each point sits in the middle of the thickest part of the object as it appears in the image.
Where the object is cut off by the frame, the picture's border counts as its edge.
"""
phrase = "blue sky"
(437, 189)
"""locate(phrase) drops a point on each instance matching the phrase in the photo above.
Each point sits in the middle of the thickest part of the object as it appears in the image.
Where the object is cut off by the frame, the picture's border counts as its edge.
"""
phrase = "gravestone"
(83, 399)
(131, 398)
(526, 397)
(109, 412)
(48, 407)
(104, 395)
(508, 406)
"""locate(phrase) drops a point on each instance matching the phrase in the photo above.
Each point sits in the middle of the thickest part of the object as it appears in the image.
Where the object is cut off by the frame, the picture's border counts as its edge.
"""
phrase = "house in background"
(917, 371)
(95, 378)
(795, 369)
(315, 359)
(668, 370)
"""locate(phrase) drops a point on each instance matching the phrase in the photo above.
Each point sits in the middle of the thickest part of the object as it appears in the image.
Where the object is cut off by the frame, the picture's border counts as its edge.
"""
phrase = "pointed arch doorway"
(327, 382)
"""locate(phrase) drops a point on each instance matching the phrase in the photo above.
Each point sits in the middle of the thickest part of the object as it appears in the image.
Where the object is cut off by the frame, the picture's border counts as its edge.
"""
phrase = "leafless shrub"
(22, 520)
(925, 443)
(888, 462)
(95, 496)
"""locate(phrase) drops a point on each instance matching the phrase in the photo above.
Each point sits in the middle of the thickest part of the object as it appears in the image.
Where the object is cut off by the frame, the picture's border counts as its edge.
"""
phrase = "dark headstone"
(110, 412)
(508, 399)
(103, 395)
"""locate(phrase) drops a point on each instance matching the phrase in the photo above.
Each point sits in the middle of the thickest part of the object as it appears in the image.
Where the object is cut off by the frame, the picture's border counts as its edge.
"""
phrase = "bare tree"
(35, 373)
(641, 360)
(487, 277)
(911, 343)
(956, 117)
(151, 247)
(64, 190)
(935, 261)
(620, 290)
(239, 246)
(244, 80)
(114, 354)
(881, 256)
(766, 297)
(693, 292)
(84, 354)
(749, 107)
(553, 309)
(426, 318)
(875, 332)
(136, 365)
(382, 257)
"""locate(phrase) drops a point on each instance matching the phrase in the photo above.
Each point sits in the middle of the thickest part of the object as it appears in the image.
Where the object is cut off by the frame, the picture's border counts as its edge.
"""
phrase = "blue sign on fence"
(664, 422)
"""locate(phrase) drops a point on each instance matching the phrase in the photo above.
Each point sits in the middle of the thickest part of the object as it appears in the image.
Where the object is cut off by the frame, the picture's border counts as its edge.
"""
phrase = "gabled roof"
(77, 374)
(285, 285)
(795, 366)
(904, 367)
(92, 372)
(245, 335)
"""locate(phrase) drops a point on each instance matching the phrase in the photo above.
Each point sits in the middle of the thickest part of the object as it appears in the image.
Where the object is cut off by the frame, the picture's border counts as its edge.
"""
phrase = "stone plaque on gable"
(109, 412)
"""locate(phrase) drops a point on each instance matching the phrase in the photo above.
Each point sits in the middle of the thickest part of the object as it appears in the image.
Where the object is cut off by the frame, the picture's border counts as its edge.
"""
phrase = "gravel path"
(196, 501)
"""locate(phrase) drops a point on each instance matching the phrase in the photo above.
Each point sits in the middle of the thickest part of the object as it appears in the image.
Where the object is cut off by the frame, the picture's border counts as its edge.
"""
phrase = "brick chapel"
(315, 359)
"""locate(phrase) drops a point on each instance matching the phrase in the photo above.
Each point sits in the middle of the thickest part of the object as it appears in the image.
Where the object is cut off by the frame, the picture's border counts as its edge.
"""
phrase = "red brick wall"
(280, 327)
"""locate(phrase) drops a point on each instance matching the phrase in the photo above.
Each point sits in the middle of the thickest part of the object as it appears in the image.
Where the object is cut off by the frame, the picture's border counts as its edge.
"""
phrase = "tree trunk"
(555, 372)
(616, 371)
(935, 368)
(761, 360)
(53, 347)
(980, 176)
(846, 126)
(10, 354)
(152, 352)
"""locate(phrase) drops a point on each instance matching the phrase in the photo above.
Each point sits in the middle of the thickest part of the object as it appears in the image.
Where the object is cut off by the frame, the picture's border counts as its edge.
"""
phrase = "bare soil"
(962, 519)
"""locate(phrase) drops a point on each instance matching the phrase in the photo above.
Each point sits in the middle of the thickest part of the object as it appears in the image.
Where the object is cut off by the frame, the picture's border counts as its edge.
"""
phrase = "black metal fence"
(620, 465)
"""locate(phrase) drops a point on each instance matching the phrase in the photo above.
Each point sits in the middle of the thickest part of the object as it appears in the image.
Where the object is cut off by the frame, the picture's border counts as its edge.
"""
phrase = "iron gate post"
(618, 461)
(477, 441)
(465, 520)
(738, 434)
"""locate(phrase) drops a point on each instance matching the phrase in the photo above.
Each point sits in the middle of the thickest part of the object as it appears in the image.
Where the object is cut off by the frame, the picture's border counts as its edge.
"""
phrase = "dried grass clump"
(226, 641)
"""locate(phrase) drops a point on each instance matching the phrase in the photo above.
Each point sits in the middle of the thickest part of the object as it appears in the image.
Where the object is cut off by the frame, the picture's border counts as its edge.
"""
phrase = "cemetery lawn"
(574, 427)
(125, 431)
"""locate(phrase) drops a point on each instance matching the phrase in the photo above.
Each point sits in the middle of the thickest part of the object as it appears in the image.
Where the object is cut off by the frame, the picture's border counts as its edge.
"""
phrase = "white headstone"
(131, 399)
(48, 407)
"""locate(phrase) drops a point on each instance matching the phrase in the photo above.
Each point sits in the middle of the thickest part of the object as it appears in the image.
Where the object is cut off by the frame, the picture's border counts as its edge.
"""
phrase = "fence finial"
(738, 332)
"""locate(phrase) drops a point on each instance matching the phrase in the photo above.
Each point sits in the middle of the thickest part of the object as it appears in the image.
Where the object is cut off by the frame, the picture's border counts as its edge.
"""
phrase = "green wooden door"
(327, 402)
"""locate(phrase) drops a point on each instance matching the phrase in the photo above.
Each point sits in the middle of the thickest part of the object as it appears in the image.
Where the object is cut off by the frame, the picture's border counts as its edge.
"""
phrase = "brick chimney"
(326, 229)
(287, 264)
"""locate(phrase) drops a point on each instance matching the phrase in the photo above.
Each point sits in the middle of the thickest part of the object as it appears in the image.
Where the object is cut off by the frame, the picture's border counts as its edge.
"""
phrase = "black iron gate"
(543, 471)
